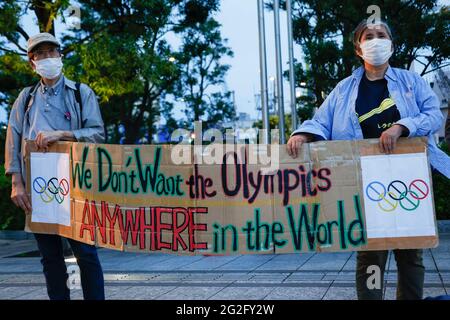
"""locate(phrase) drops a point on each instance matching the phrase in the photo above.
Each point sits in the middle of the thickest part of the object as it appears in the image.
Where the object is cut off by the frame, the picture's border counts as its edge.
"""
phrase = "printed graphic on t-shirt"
(385, 105)
(375, 109)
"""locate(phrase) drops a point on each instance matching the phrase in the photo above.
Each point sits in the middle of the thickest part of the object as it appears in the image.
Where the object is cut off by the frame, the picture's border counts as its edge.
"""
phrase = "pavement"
(306, 276)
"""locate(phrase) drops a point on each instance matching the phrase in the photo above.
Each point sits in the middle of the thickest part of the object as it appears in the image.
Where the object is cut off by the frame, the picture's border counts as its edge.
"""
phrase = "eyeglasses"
(52, 53)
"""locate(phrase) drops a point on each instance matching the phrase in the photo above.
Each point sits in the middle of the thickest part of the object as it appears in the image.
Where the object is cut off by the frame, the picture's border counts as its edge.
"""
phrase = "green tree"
(202, 75)
(274, 123)
(15, 73)
(128, 60)
(121, 51)
(323, 28)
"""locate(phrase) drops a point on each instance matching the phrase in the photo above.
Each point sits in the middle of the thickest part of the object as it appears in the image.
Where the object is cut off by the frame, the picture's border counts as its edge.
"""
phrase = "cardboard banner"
(228, 199)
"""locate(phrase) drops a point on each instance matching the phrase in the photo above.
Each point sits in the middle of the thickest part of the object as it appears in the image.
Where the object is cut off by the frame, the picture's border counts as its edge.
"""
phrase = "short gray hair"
(363, 25)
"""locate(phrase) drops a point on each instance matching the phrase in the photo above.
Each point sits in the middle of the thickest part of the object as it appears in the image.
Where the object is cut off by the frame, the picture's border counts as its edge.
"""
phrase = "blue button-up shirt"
(49, 112)
(51, 108)
(336, 119)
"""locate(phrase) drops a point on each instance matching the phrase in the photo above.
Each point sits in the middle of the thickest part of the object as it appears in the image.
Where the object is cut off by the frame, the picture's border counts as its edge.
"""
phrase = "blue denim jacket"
(419, 110)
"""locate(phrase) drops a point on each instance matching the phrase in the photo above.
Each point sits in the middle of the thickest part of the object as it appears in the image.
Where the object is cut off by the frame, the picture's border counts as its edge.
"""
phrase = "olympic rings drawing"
(51, 190)
(397, 193)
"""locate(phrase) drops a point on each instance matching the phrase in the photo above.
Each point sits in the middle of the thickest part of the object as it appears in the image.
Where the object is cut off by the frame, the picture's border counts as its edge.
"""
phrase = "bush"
(11, 217)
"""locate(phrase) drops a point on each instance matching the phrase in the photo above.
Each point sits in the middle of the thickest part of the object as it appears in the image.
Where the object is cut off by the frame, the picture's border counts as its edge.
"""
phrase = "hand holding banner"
(337, 196)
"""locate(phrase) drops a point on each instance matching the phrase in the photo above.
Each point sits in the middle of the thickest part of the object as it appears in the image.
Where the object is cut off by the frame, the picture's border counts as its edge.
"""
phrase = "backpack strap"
(28, 98)
(78, 96)
(78, 100)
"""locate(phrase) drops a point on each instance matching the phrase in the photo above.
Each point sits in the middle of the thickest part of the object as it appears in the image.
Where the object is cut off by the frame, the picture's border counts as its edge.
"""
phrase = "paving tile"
(290, 276)
(39, 294)
(305, 276)
(340, 293)
(432, 278)
(267, 277)
(234, 277)
(286, 262)
(201, 278)
(242, 293)
(139, 263)
(171, 277)
(174, 263)
(6, 293)
(11, 248)
(111, 292)
(209, 263)
(247, 262)
(115, 276)
(446, 276)
(141, 276)
(311, 283)
(433, 292)
(443, 264)
(327, 261)
(300, 293)
(350, 265)
(348, 276)
(76, 294)
(443, 247)
(20, 265)
(16, 292)
(22, 278)
(391, 292)
(190, 293)
(143, 292)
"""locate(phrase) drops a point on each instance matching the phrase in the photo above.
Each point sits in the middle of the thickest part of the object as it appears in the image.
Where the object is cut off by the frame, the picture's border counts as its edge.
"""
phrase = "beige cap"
(41, 38)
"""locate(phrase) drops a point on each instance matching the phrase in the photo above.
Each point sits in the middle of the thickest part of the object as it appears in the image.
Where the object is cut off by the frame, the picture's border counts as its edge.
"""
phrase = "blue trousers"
(55, 271)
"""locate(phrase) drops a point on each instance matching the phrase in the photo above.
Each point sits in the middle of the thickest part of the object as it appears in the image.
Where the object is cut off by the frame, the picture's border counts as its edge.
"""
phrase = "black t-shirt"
(375, 109)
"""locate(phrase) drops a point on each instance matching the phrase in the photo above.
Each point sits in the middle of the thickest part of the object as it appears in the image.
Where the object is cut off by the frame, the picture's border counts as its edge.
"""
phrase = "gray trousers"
(411, 273)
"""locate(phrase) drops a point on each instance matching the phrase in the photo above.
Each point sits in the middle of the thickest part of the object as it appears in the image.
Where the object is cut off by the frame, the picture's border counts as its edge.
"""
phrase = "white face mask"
(376, 51)
(49, 68)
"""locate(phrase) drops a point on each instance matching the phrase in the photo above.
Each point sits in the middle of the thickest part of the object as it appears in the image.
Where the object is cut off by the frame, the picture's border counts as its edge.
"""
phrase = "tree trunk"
(44, 15)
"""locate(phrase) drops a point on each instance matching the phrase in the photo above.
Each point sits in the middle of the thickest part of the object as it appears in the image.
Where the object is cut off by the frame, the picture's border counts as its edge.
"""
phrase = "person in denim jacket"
(378, 101)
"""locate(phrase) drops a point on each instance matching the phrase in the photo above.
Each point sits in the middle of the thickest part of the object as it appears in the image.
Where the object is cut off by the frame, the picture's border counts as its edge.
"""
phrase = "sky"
(239, 19)
(240, 26)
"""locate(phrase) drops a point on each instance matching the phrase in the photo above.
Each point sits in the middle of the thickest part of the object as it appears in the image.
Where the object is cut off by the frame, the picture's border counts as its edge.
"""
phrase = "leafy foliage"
(123, 52)
(324, 30)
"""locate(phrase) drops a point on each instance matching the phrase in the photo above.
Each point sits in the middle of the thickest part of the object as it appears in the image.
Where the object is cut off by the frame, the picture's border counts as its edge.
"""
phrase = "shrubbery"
(11, 217)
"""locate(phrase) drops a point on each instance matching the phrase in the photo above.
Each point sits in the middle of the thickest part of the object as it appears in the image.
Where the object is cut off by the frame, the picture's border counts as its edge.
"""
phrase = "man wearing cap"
(54, 109)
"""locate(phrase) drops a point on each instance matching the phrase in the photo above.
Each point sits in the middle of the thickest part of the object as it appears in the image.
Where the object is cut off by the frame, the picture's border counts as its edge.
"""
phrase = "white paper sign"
(397, 196)
(50, 188)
